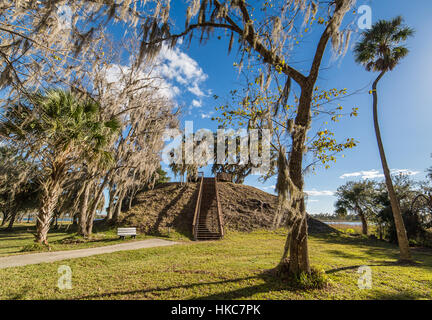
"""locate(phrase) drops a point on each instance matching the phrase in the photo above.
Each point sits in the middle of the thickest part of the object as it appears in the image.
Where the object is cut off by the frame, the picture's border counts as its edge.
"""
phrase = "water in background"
(348, 223)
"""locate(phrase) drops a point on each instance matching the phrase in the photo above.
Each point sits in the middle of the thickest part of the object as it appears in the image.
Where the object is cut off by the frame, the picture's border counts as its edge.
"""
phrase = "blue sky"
(197, 72)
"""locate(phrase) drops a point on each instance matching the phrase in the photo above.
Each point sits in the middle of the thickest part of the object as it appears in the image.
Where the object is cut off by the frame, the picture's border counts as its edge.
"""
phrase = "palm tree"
(356, 197)
(61, 132)
(380, 50)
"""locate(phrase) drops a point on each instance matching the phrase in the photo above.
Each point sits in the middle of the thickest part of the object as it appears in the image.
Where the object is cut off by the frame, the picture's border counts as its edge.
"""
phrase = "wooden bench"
(123, 232)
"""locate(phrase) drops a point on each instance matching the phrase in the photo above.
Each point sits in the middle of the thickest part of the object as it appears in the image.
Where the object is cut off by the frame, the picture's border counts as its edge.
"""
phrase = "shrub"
(316, 280)
(35, 247)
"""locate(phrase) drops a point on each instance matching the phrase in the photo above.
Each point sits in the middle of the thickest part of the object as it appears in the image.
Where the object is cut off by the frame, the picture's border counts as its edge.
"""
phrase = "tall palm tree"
(61, 132)
(380, 50)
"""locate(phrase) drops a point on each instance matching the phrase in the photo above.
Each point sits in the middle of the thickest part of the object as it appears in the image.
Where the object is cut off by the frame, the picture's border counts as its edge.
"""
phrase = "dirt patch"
(172, 205)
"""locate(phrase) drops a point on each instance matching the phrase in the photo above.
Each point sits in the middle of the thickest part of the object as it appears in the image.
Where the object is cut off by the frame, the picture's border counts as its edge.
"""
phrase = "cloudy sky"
(193, 74)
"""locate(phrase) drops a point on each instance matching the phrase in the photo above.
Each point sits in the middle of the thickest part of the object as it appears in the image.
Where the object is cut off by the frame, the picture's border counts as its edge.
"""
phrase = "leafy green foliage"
(254, 109)
(355, 197)
(381, 48)
(58, 122)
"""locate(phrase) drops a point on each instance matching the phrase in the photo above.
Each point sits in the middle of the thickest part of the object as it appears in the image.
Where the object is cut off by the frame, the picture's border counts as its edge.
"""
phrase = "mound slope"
(172, 205)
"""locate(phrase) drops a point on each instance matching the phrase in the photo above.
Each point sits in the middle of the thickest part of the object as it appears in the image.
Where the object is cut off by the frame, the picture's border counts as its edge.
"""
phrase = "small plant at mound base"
(35, 247)
(77, 239)
(73, 240)
(317, 279)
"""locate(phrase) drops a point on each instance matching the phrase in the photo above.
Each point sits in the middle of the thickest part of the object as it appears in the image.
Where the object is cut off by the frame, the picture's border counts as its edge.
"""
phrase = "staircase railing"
(219, 210)
(197, 207)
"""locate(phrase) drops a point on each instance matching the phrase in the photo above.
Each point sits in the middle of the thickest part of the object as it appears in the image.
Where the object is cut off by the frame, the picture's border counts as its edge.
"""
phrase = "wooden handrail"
(219, 209)
(197, 209)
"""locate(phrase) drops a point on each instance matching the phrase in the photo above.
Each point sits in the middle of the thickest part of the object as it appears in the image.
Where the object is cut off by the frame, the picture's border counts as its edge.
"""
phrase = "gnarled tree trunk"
(92, 213)
(364, 222)
(117, 211)
(298, 244)
(12, 220)
(82, 226)
(297, 238)
(111, 206)
(49, 197)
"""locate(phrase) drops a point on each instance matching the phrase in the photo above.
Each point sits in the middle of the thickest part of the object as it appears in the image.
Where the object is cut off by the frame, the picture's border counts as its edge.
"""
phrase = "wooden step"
(206, 228)
(205, 236)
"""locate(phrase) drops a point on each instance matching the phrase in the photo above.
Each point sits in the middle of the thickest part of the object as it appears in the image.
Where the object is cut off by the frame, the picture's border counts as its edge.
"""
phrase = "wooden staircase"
(208, 223)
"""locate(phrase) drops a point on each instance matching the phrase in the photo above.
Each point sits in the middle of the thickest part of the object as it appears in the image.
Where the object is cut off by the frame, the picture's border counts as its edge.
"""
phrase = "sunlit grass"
(234, 268)
(21, 240)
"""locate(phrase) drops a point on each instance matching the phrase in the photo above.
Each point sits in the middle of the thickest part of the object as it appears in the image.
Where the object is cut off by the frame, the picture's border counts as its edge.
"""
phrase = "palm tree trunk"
(82, 226)
(405, 253)
(48, 202)
(363, 221)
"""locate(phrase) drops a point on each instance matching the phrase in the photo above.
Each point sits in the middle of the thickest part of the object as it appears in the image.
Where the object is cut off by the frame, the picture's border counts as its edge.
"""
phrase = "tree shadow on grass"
(345, 254)
(21, 294)
(270, 284)
(158, 289)
(353, 240)
(78, 240)
(380, 264)
(17, 232)
(401, 295)
(373, 249)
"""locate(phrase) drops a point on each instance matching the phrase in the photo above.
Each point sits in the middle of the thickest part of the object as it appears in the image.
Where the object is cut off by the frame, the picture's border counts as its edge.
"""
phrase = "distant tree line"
(369, 202)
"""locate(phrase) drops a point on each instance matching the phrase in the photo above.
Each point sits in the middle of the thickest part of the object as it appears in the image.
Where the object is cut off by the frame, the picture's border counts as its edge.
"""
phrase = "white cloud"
(196, 90)
(272, 187)
(175, 72)
(316, 193)
(196, 103)
(176, 66)
(374, 174)
(312, 200)
(311, 193)
(407, 172)
(114, 72)
(206, 115)
(115, 75)
(370, 174)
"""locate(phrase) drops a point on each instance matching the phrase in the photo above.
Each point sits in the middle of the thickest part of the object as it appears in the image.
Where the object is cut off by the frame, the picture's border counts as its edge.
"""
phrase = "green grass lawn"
(234, 268)
(21, 237)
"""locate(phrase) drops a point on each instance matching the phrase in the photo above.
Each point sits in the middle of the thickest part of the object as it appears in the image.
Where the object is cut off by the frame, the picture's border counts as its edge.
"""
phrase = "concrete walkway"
(35, 258)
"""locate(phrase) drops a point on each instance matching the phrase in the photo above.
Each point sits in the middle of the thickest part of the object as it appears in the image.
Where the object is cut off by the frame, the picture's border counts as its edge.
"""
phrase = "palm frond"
(380, 47)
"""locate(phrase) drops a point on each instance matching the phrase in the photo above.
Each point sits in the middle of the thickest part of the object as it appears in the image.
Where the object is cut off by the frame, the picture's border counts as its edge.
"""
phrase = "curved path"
(35, 258)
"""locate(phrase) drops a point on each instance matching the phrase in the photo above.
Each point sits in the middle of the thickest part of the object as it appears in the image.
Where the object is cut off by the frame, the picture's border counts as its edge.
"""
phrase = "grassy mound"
(171, 206)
